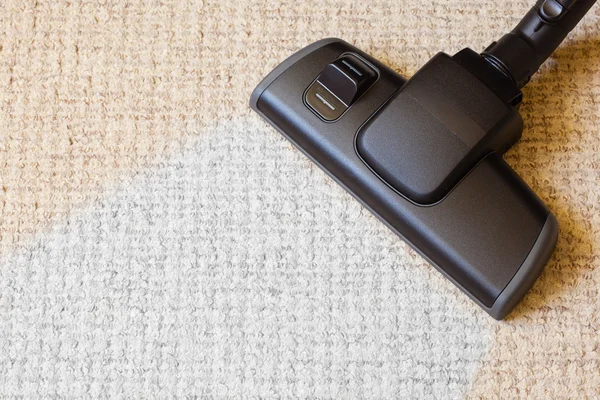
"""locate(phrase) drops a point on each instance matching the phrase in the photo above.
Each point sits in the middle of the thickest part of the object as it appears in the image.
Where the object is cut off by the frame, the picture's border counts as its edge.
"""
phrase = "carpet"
(158, 239)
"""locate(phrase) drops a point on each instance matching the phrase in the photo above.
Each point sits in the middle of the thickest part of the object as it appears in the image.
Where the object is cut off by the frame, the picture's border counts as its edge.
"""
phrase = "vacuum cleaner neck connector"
(520, 53)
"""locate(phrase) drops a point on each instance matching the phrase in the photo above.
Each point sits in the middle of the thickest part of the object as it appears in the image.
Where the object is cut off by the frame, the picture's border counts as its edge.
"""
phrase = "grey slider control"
(339, 85)
(551, 10)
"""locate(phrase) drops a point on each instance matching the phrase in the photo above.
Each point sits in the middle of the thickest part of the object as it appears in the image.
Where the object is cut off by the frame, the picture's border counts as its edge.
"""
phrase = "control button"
(551, 10)
(339, 86)
(348, 78)
(320, 99)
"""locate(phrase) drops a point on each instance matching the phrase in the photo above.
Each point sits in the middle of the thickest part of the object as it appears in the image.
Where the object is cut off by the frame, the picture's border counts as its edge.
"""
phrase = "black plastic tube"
(520, 53)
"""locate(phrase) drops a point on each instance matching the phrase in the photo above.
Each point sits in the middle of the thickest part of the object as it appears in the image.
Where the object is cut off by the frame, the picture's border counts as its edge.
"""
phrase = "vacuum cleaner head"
(425, 154)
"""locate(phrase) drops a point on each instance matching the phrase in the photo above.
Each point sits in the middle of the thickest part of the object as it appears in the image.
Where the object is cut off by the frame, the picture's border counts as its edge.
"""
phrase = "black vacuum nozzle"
(520, 53)
(425, 154)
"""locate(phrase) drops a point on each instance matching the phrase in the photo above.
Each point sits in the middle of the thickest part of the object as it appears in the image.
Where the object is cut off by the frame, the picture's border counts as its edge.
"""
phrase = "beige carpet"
(158, 239)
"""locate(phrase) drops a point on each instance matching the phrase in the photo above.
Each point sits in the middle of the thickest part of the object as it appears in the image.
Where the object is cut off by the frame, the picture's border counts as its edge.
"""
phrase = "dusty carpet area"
(158, 239)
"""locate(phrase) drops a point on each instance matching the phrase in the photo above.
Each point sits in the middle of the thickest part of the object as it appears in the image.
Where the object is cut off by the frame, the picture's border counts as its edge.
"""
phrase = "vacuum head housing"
(425, 154)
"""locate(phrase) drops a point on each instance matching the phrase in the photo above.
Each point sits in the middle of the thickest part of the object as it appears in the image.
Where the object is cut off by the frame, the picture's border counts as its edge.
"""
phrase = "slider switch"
(339, 86)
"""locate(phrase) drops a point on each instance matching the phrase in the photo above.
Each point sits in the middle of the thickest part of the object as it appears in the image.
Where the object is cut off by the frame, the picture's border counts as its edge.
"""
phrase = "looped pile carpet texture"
(158, 239)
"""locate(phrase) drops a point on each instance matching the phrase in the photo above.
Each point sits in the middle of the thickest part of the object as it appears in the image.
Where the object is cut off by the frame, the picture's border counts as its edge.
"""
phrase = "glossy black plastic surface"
(487, 232)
